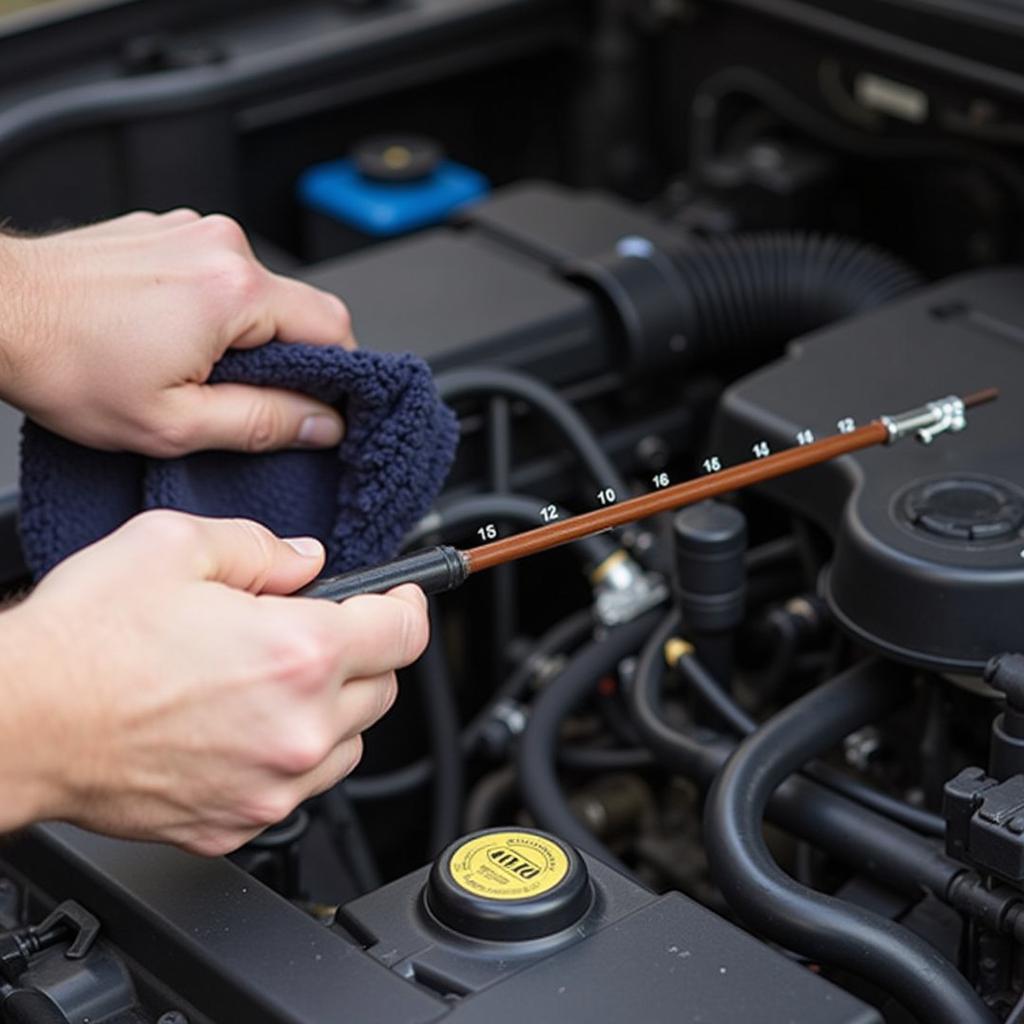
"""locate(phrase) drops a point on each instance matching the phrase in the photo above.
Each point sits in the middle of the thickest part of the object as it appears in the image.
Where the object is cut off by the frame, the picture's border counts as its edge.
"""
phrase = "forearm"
(29, 788)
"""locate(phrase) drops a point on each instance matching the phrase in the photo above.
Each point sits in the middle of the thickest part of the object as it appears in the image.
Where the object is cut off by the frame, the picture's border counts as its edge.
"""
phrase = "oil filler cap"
(507, 886)
(967, 508)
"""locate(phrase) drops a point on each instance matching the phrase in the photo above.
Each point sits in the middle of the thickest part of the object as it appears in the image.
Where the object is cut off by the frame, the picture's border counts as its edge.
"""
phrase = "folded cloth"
(359, 498)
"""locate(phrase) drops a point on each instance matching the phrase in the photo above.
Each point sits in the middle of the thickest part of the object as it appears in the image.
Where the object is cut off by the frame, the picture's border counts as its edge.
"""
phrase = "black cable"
(605, 759)
(487, 796)
(488, 381)
(537, 754)
(725, 706)
(516, 507)
(770, 553)
(504, 581)
(347, 834)
(562, 636)
(883, 849)
(771, 903)
(771, 94)
(442, 716)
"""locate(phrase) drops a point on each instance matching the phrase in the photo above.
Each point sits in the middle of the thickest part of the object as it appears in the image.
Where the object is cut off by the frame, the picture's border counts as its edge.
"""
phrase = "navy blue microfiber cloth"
(360, 498)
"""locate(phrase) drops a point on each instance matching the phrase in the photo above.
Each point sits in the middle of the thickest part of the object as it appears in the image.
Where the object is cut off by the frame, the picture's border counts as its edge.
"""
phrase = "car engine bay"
(760, 759)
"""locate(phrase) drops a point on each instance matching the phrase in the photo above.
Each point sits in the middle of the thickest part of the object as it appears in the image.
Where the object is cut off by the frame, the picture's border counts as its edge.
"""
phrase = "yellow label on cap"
(508, 865)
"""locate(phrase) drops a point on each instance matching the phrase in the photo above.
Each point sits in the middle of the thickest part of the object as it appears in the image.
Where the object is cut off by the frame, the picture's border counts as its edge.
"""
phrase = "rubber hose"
(442, 716)
(876, 845)
(773, 904)
(389, 785)
(605, 759)
(537, 754)
(750, 294)
(487, 381)
(350, 838)
(487, 796)
(724, 705)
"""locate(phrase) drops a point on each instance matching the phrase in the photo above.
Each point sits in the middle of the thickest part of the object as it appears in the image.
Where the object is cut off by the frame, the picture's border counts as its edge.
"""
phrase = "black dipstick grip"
(435, 570)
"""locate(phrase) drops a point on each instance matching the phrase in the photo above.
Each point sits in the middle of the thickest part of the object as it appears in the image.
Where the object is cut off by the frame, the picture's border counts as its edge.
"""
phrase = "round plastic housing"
(508, 885)
(710, 540)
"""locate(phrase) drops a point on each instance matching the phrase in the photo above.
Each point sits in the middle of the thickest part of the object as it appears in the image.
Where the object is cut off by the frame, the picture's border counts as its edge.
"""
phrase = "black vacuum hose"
(853, 834)
(488, 381)
(441, 712)
(773, 904)
(747, 294)
(536, 757)
(725, 706)
(562, 636)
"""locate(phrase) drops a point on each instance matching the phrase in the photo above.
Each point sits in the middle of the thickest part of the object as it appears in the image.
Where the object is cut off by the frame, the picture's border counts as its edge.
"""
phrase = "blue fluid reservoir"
(389, 187)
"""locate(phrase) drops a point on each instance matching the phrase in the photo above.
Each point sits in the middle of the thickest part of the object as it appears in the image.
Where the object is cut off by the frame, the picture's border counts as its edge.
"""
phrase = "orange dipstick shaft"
(443, 568)
(880, 431)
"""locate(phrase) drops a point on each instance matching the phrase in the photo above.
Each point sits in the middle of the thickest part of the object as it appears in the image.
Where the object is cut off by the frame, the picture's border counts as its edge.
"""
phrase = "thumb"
(240, 417)
(247, 556)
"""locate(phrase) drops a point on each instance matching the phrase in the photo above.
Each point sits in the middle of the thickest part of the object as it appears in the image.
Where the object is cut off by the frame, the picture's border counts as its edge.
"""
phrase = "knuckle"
(268, 807)
(415, 634)
(212, 844)
(304, 659)
(342, 313)
(387, 694)
(138, 217)
(264, 425)
(234, 280)
(184, 213)
(223, 230)
(301, 750)
(263, 541)
(171, 437)
(352, 755)
(165, 529)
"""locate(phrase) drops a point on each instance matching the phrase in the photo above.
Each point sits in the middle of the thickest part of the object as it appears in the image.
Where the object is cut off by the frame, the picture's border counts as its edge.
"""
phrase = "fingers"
(297, 312)
(382, 632)
(238, 417)
(361, 703)
(247, 556)
(339, 764)
(237, 552)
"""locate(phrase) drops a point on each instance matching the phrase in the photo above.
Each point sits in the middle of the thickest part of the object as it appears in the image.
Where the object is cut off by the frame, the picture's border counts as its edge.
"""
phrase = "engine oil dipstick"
(444, 567)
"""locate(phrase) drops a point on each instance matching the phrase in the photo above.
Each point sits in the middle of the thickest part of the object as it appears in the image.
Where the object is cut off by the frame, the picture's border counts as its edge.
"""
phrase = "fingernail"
(319, 431)
(308, 547)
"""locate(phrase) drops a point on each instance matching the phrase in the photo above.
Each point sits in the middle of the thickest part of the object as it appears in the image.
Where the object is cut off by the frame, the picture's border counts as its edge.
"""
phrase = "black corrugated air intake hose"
(752, 291)
(739, 296)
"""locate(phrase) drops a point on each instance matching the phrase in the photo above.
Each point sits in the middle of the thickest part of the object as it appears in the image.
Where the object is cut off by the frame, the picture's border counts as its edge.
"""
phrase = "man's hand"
(155, 687)
(108, 333)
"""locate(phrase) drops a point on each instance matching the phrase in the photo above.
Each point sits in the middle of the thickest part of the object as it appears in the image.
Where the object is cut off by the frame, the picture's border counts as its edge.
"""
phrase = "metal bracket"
(927, 421)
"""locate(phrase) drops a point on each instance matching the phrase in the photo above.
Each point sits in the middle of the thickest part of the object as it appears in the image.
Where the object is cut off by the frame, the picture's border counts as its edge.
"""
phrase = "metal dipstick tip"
(944, 415)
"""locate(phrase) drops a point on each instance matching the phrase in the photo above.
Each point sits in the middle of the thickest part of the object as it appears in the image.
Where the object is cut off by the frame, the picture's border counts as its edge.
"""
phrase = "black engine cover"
(929, 559)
